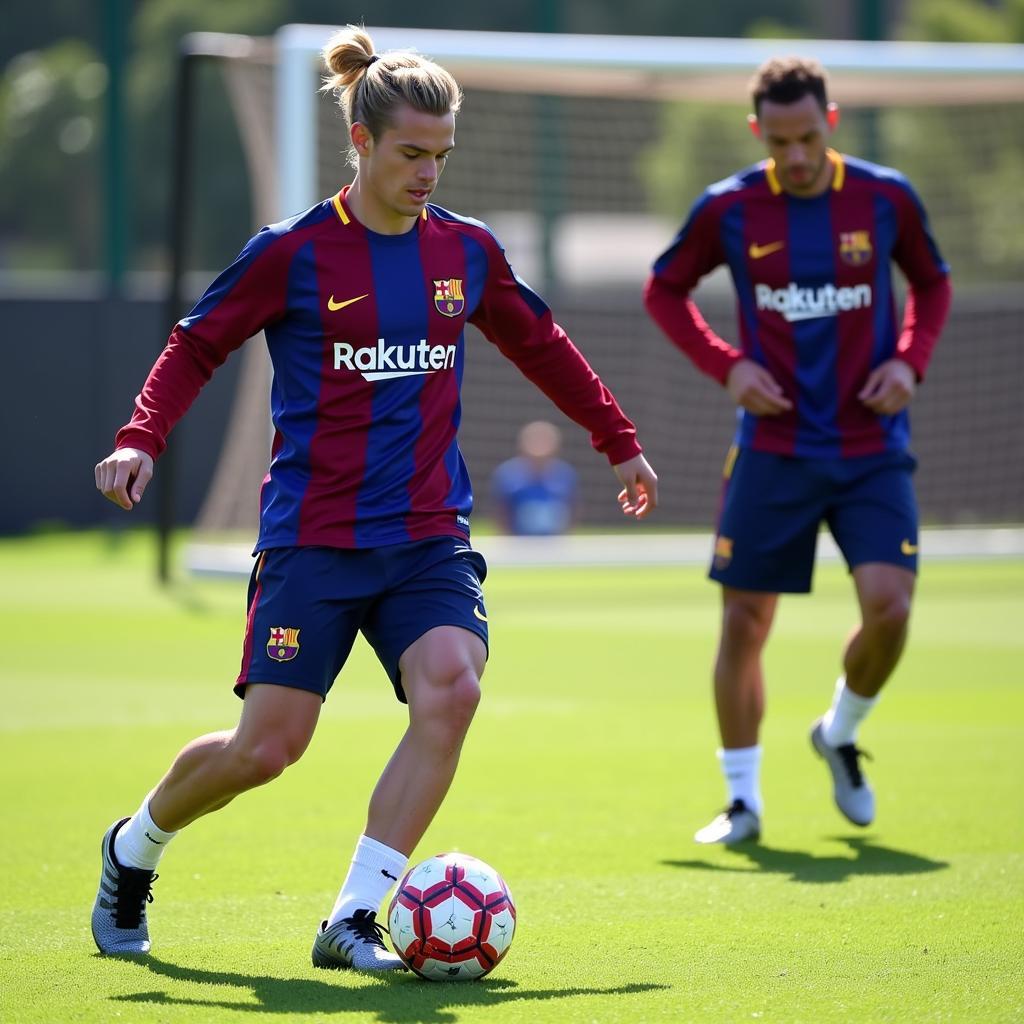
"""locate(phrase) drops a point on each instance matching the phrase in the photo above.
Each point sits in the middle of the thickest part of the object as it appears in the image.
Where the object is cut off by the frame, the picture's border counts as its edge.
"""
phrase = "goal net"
(584, 153)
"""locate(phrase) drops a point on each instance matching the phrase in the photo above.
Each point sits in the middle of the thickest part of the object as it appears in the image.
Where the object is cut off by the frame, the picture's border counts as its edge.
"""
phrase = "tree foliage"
(50, 122)
(964, 21)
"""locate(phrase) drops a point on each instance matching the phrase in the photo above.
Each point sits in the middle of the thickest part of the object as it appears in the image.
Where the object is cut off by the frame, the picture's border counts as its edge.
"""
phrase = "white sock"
(741, 767)
(840, 722)
(139, 843)
(374, 869)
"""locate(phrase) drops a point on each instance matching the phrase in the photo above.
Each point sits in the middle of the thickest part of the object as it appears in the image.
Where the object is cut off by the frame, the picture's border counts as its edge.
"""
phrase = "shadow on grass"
(394, 998)
(868, 858)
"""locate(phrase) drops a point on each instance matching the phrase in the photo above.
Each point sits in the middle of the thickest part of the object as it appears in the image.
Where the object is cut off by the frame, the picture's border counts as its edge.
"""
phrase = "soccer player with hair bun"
(822, 377)
(364, 513)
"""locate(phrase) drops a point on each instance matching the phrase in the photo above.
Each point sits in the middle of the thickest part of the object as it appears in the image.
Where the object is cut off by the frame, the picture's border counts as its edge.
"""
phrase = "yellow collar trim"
(838, 173)
(339, 208)
(838, 169)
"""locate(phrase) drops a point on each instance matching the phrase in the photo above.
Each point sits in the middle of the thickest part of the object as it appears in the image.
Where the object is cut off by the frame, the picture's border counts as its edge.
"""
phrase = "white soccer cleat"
(853, 796)
(736, 824)
(356, 941)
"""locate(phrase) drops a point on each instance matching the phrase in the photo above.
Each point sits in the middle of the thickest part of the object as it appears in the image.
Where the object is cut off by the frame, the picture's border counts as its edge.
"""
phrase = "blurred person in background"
(822, 377)
(535, 491)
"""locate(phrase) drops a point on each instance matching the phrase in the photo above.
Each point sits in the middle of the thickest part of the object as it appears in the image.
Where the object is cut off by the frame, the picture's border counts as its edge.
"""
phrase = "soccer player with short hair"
(364, 523)
(822, 377)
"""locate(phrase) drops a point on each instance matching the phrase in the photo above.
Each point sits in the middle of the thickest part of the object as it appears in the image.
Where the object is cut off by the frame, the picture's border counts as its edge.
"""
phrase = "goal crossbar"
(650, 67)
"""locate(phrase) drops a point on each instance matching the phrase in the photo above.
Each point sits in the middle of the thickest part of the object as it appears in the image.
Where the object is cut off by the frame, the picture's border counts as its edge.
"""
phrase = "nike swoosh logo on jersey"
(335, 306)
(479, 614)
(759, 251)
(907, 548)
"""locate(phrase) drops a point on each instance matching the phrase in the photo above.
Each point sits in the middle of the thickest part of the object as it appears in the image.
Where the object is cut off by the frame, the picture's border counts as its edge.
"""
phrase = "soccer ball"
(452, 918)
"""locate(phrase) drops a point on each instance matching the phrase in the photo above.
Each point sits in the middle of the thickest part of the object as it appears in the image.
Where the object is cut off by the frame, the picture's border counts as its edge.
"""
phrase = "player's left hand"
(640, 487)
(889, 387)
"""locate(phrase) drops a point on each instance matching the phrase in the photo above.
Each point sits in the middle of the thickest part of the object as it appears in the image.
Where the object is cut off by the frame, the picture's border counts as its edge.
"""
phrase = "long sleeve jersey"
(366, 334)
(815, 298)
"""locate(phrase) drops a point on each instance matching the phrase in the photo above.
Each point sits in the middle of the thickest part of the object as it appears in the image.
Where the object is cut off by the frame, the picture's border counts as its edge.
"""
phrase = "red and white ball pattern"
(452, 918)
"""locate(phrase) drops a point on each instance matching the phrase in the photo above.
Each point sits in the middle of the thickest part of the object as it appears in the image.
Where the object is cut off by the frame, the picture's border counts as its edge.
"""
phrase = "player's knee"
(447, 705)
(465, 695)
(888, 612)
(459, 698)
(746, 623)
(259, 763)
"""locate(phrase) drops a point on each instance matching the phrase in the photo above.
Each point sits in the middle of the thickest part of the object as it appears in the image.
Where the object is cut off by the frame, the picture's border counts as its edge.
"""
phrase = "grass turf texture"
(589, 767)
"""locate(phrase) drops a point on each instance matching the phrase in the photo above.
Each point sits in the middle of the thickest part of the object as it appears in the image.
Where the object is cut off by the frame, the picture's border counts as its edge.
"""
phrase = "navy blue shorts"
(306, 605)
(773, 506)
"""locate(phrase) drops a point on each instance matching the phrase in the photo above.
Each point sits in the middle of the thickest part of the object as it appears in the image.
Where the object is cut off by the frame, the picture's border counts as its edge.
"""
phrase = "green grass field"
(589, 767)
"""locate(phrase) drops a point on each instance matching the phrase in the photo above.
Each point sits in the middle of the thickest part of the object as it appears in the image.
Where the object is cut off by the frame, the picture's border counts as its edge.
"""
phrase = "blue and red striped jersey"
(815, 298)
(366, 334)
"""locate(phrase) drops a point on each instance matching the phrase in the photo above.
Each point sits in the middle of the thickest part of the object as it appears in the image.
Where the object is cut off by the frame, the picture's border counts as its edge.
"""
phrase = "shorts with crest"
(306, 605)
(773, 506)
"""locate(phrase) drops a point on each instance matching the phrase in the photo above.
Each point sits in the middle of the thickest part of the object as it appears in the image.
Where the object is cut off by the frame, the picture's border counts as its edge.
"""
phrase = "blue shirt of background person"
(535, 491)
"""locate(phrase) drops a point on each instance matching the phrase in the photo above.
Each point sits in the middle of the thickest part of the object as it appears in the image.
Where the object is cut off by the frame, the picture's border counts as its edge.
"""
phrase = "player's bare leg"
(739, 701)
(441, 677)
(274, 730)
(747, 617)
(885, 593)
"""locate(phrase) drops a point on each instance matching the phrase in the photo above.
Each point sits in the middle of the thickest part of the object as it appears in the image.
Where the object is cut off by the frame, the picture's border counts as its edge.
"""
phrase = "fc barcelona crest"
(723, 552)
(855, 247)
(283, 644)
(448, 298)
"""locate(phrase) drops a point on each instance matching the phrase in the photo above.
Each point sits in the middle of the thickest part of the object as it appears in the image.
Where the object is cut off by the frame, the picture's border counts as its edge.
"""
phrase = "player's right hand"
(123, 475)
(753, 387)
